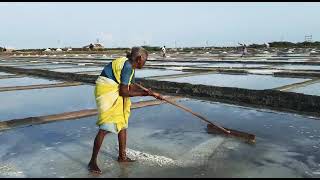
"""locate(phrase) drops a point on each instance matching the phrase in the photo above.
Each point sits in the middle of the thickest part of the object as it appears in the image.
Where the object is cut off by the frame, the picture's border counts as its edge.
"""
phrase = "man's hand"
(148, 92)
(158, 96)
(154, 94)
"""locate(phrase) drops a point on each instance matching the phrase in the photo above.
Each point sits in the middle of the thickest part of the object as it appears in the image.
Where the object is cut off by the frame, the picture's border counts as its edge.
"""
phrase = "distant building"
(94, 46)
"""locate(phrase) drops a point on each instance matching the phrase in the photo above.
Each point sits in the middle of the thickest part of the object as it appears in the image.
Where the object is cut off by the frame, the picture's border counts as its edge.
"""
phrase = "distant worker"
(91, 46)
(244, 49)
(267, 45)
(113, 90)
(163, 49)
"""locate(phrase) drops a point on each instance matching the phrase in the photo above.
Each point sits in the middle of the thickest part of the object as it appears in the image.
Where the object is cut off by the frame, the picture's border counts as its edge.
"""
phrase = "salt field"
(169, 142)
(313, 89)
(178, 63)
(23, 81)
(143, 73)
(239, 81)
(48, 66)
(299, 67)
(165, 140)
(40, 102)
(233, 65)
(4, 74)
(155, 72)
(78, 69)
(262, 71)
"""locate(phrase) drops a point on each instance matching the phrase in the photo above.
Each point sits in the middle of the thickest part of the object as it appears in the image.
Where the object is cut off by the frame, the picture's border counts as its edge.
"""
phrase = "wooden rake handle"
(186, 109)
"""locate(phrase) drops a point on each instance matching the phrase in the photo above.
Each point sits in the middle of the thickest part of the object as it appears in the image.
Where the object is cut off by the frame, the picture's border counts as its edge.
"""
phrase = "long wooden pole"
(188, 110)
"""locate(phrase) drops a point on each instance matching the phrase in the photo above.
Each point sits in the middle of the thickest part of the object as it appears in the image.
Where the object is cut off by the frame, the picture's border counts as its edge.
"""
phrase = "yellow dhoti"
(112, 108)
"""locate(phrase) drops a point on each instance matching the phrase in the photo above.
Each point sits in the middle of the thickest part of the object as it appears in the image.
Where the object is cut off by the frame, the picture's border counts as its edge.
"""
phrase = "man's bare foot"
(93, 168)
(126, 159)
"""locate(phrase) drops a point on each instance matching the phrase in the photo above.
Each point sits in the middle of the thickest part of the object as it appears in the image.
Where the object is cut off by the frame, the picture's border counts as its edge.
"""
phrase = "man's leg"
(92, 166)
(122, 139)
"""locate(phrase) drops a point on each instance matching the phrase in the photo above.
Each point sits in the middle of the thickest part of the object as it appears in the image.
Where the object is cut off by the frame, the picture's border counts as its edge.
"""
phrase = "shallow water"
(312, 89)
(238, 65)
(24, 81)
(4, 74)
(168, 142)
(21, 64)
(39, 102)
(299, 67)
(90, 73)
(49, 66)
(178, 63)
(143, 73)
(241, 81)
(262, 71)
(79, 69)
(155, 72)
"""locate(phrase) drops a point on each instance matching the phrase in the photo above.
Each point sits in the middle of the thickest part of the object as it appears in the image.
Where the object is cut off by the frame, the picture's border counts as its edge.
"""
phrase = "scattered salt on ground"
(198, 154)
(10, 171)
(149, 158)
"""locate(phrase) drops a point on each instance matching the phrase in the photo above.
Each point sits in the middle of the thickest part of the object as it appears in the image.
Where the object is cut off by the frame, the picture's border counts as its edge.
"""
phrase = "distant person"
(267, 45)
(163, 49)
(113, 88)
(91, 46)
(244, 49)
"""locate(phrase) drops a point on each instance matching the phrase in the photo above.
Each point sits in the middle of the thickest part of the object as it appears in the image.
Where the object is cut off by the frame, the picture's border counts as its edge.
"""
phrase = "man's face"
(141, 61)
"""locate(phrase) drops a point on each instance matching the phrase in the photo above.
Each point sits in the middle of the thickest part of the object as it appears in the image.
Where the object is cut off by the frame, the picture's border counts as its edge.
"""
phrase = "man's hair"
(136, 52)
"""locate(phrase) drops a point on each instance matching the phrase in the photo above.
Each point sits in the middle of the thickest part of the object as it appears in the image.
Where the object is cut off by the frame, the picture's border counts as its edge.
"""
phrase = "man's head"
(138, 56)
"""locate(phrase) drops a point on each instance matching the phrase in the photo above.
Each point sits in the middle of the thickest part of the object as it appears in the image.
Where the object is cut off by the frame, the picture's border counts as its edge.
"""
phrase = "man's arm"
(127, 91)
(134, 87)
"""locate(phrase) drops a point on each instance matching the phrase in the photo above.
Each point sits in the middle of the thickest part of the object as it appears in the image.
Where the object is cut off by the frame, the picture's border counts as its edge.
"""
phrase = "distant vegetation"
(275, 44)
(152, 48)
(286, 44)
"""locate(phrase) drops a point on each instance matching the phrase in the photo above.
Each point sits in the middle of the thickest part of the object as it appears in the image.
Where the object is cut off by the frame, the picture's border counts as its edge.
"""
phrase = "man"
(113, 88)
(91, 47)
(163, 49)
(244, 49)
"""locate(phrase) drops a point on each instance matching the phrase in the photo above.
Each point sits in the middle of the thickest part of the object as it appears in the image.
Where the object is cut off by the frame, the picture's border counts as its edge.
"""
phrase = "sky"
(179, 24)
